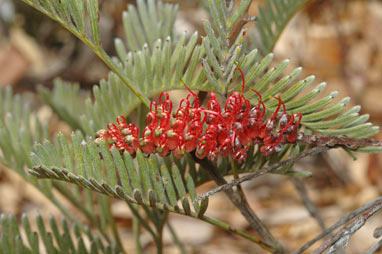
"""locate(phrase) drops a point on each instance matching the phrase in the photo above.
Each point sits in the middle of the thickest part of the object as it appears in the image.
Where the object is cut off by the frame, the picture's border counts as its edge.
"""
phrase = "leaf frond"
(117, 175)
(66, 100)
(321, 113)
(59, 239)
(20, 129)
(271, 21)
(147, 22)
(151, 182)
(162, 70)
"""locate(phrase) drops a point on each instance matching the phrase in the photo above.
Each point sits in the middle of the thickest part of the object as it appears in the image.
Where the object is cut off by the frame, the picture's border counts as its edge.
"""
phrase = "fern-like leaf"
(164, 67)
(271, 21)
(22, 239)
(159, 71)
(66, 100)
(148, 182)
(322, 115)
(126, 178)
(20, 129)
(158, 66)
(150, 21)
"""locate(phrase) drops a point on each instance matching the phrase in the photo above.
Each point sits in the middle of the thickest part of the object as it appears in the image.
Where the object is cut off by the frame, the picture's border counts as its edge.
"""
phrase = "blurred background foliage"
(338, 40)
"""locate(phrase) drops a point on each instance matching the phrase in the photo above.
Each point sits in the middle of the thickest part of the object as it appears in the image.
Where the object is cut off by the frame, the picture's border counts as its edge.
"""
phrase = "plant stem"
(137, 234)
(134, 210)
(236, 176)
(300, 187)
(247, 211)
(264, 170)
(159, 235)
(113, 226)
(159, 244)
(177, 241)
(153, 217)
(250, 237)
(242, 204)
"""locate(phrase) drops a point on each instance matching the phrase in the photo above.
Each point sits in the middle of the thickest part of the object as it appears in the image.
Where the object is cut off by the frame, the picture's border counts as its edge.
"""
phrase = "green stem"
(139, 217)
(106, 59)
(239, 200)
(152, 216)
(159, 238)
(221, 225)
(159, 244)
(236, 176)
(176, 239)
(250, 237)
(113, 226)
(137, 234)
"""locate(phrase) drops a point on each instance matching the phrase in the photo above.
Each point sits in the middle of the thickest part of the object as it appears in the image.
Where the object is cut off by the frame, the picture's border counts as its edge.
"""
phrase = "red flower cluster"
(210, 132)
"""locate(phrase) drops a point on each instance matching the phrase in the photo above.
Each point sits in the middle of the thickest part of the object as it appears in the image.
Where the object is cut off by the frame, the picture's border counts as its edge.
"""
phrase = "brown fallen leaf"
(13, 65)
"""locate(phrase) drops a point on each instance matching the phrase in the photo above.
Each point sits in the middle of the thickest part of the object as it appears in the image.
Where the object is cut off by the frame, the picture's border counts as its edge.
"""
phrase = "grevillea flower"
(210, 132)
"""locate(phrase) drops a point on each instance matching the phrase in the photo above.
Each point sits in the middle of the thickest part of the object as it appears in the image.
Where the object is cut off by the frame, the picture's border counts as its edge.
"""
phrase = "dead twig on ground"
(342, 237)
(300, 187)
(341, 222)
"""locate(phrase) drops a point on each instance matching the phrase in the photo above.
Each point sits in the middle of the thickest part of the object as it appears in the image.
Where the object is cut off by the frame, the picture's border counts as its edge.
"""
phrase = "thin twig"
(300, 187)
(342, 237)
(338, 224)
(176, 239)
(373, 249)
(242, 204)
(352, 143)
(142, 221)
(137, 235)
(113, 227)
(239, 232)
(159, 228)
(263, 171)
(236, 176)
